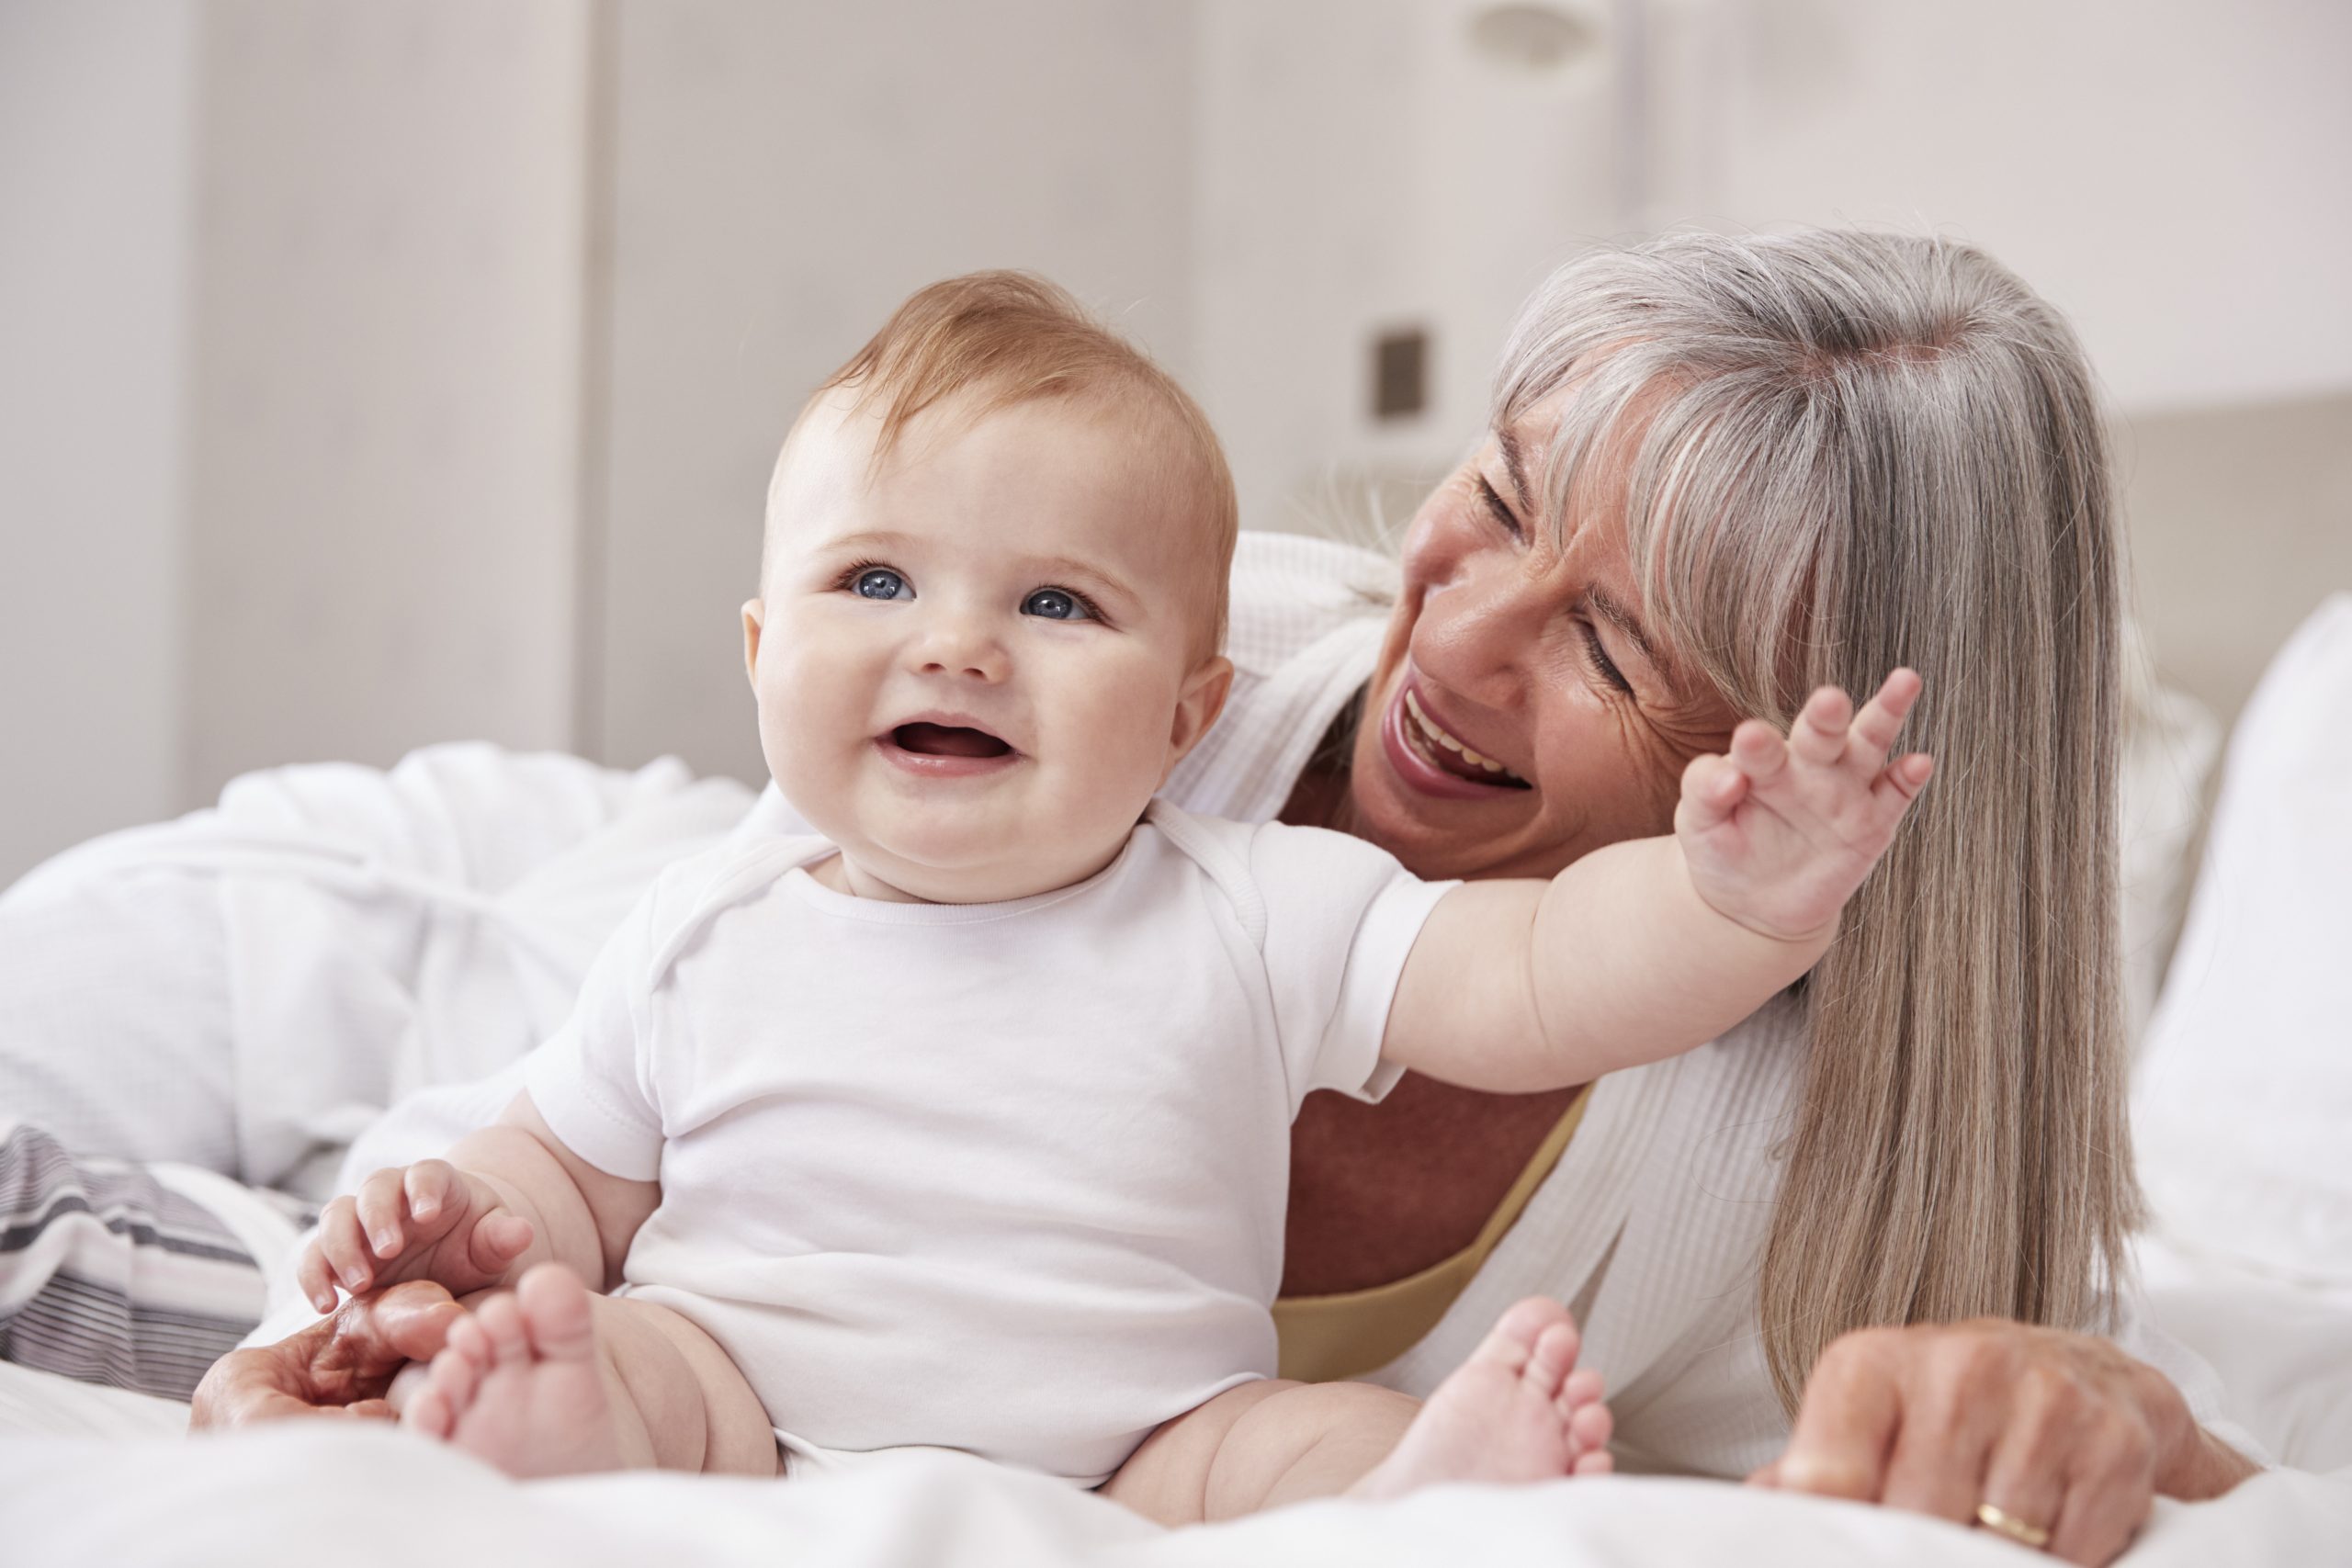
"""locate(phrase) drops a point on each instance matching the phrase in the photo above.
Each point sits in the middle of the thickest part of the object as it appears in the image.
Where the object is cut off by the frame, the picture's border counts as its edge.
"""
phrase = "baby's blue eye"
(881, 582)
(1056, 604)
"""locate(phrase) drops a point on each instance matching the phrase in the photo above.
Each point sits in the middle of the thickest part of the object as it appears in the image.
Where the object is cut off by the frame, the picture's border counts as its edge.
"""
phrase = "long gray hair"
(1849, 451)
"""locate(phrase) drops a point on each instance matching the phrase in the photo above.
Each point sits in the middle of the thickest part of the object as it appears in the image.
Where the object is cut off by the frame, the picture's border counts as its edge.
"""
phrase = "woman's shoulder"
(1303, 630)
(1291, 591)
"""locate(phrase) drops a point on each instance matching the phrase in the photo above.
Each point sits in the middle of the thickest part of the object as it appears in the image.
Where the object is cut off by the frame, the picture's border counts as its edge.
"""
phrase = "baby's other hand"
(427, 1221)
(1780, 833)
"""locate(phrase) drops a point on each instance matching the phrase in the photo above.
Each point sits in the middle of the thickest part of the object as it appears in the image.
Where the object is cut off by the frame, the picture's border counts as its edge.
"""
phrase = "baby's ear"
(753, 609)
(1198, 705)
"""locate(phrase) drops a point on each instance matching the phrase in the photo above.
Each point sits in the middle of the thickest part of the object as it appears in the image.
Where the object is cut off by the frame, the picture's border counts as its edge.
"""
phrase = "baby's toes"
(1581, 1388)
(449, 1388)
(1595, 1461)
(428, 1411)
(1588, 1425)
(1510, 1343)
(1553, 1359)
(467, 1339)
(502, 1326)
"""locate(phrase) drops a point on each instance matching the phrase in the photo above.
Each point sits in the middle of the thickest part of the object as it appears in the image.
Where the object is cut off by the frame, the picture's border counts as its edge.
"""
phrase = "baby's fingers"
(1876, 725)
(1712, 785)
(316, 1277)
(1901, 783)
(1818, 737)
(344, 1248)
(498, 1239)
(383, 1214)
(1758, 752)
(430, 1186)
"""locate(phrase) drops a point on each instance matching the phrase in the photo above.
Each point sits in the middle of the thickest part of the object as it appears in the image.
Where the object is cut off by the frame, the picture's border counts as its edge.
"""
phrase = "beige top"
(1324, 1338)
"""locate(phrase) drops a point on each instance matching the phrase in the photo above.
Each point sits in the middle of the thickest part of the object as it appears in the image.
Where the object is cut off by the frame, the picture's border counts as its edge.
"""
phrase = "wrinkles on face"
(1525, 640)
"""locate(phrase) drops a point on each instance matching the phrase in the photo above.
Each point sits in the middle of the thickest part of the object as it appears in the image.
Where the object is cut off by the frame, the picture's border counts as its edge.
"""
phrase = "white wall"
(1361, 170)
(291, 307)
(388, 317)
(2175, 175)
(784, 176)
(95, 110)
(2171, 172)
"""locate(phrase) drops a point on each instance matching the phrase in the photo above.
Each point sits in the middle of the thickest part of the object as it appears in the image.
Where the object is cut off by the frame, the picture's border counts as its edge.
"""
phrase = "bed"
(2243, 1107)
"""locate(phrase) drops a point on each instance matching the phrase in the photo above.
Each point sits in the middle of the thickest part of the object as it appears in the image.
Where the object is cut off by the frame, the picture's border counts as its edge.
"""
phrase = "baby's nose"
(962, 646)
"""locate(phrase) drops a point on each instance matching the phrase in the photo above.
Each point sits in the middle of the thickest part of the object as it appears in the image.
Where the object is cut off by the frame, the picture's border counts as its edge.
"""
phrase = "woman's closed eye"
(1059, 604)
(1595, 655)
(1598, 657)
(1500, 509)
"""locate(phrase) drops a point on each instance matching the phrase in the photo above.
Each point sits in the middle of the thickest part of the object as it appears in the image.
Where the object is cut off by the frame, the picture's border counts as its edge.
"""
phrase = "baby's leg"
(1515, 1411)
(549, 1380)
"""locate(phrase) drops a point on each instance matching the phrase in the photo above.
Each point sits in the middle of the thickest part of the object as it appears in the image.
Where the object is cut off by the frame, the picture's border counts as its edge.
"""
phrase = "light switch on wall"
(1401, 362)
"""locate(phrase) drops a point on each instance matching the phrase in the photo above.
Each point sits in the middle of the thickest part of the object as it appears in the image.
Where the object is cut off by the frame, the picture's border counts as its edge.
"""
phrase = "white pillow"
(2242, 1108)
(2170, 745)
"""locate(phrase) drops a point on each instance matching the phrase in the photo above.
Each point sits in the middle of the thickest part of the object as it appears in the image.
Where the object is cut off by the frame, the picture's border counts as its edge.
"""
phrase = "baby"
(965, 1123)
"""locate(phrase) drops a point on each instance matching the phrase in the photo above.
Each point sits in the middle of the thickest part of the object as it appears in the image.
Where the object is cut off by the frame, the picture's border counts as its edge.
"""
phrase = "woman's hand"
(2062, 1433)
(339, 1366)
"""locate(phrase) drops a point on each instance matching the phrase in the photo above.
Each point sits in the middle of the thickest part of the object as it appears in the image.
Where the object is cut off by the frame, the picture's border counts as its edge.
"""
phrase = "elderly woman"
(1868, 1245)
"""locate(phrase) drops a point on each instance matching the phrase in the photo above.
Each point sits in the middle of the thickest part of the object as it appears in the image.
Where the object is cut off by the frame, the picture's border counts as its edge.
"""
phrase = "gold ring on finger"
(2010, 1524)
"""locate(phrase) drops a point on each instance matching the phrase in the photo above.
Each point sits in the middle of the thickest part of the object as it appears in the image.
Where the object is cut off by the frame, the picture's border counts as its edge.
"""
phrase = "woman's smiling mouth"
(1431, 759)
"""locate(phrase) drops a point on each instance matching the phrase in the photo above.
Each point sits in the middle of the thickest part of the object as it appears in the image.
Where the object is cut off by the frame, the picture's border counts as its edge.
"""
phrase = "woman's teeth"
(1422, 722)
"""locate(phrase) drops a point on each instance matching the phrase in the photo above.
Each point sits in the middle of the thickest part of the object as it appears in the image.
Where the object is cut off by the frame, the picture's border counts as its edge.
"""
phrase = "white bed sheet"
(92, 1475)
(309, 1493)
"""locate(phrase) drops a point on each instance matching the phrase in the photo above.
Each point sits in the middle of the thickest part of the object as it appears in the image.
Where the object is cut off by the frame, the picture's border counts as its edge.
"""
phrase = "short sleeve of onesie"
(589, 1079)
(1341, 915)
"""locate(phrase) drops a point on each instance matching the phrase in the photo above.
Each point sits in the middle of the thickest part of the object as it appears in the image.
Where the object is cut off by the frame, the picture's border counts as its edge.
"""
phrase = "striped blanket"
(109, 1276)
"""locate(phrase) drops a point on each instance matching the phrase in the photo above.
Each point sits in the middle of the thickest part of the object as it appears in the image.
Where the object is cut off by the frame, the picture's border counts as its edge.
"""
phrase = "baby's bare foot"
(520, 1383)
(1515, 1411)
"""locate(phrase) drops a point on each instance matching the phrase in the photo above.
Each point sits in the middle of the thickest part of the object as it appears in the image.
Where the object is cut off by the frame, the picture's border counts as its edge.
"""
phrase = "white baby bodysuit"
(1007, 1178)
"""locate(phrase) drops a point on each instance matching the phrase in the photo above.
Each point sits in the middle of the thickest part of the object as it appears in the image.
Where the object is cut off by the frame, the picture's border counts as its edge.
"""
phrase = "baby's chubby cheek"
(1114, 751)
(812, 751)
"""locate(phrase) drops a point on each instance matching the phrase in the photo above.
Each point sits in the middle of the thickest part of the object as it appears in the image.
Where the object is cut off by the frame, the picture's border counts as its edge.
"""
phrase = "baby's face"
(975, 666)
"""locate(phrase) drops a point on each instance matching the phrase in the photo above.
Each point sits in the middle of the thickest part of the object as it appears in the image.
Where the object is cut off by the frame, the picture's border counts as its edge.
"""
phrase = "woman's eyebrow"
(1597, 600)
(1515, 464)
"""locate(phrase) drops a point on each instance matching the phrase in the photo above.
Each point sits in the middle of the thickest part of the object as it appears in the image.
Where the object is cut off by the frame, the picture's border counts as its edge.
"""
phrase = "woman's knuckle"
(2052, 1393)
(2135, 1448)
(1865, 1344)
(2115, 1451)
(1956, 1361)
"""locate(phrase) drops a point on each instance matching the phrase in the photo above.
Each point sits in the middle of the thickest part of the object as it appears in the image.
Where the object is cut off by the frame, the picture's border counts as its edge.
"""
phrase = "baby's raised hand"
(1780, 833)
(427, 1221)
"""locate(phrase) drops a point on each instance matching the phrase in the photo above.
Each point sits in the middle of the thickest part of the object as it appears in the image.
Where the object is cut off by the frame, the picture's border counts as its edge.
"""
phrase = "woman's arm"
(1648, 948)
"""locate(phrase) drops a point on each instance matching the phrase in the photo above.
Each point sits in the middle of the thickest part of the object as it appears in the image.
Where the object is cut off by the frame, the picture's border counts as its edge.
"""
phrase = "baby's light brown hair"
(992, 341)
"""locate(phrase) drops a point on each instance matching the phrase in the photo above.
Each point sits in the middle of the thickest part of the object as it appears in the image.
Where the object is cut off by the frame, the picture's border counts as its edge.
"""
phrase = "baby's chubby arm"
(507, 1197)
(1655, 946)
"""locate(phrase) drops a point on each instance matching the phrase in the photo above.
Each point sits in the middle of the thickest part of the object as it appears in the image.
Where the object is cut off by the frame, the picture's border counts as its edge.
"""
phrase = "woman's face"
(1522, 643)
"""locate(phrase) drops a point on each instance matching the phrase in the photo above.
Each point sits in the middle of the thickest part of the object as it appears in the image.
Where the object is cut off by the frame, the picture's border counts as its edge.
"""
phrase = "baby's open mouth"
(947, 740)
